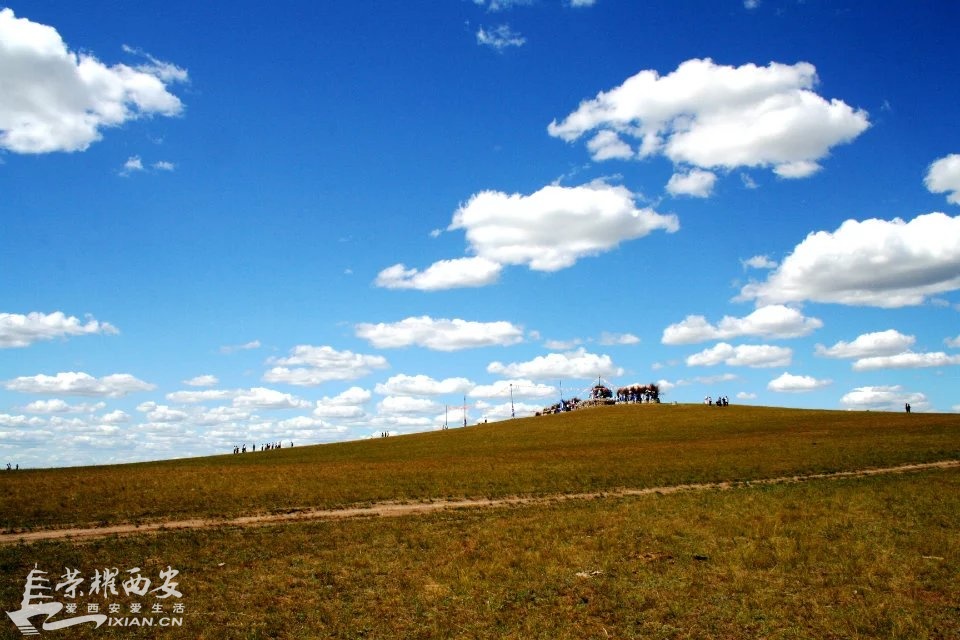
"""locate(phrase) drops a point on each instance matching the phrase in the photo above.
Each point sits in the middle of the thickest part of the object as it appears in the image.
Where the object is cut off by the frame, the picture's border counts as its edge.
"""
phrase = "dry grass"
(591, 450)
(859, 558)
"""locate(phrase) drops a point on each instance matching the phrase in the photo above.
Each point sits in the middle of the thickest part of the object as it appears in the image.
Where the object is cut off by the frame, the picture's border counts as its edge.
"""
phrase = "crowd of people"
(722, 401)
(267, 446)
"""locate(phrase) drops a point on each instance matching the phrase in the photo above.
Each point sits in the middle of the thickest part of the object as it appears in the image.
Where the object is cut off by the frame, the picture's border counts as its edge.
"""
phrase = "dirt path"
(391, 509)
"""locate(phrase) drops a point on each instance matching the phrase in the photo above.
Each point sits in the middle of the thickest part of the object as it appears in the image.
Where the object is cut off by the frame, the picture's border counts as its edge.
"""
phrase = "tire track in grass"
(395, 509)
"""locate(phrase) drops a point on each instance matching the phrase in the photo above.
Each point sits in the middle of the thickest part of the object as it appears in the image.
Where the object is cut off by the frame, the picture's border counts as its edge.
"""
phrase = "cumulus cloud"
(132, 165)
(889, 398)
(547, 230)
(721, 117)
(953, 342)
(879, 343)
(574, 364)
(618, 339)
(520, 387)
(789, 383)
(499, 38)
(206, 395)
(439, 334)
(59, 406)
(554, 227)
(406, 405)
(906, 360)
(262, 398)
(17, 330)
(74, 383)
(607, 145)
(202, 381)
(443, 274)
(876, 263)
(309, 366)
(759, 262)
(421, 385)
(55, 99)
(115, 417)
(773, 321)
(943, 176)
(346, 405)
(745, 355)
(694, 182)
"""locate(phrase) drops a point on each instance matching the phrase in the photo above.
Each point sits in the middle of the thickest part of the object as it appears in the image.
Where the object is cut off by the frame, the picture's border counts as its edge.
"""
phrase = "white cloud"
(164, 165)
(421, 385)
(133, 163)
(346, 405)
(161, 413)
(500, 37)
(906, 360)
(876, 263)
(55, 99)
(115, 417)
(694, 182)
(19, 422)
(582, 3)
(206, 395)
(788, 383)
(520, 387)
(953, 342)
(562, 345)
(504, 5)
(233, 348)
(79, 384)
(406, 405)
(315, 365)
(751, 4)
(202, 381)
(17, 330)
(554, 227)
(890, 398)
(746, 395)
(547, 230)
(879, 343)
(745, 355)
(443, 274)
(506, 411)
(574, 364)
(262, 398)
(59, 406)
(759, 262)
(773, 321)
(618, 339)
(943, 176)
(439, 334)
(715, 116)
(607, 145)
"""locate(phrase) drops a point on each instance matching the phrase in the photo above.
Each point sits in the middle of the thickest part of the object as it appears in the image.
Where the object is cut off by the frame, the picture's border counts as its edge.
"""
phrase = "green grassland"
(858, 557)
(598, 449)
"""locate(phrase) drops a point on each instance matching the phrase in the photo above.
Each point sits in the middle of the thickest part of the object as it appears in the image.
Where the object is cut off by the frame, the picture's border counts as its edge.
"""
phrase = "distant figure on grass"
(907, 407)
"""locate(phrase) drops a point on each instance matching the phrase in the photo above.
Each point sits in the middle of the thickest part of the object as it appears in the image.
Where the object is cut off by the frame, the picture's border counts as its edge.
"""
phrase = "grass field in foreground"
(828, 559)
(589, 450)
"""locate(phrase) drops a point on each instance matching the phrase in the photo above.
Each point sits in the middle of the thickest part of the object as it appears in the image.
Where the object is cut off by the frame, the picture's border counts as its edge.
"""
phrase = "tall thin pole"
(464, 410)
(512, 414)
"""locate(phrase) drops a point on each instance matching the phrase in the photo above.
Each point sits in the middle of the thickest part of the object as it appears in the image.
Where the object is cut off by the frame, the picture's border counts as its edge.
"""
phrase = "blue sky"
(227, 224)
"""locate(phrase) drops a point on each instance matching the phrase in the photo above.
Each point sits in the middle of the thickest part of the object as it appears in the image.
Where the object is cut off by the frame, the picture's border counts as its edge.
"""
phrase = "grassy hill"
(590, 450)
(867, 557)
